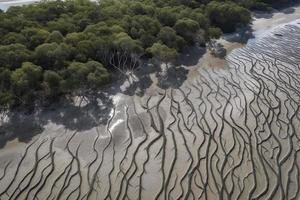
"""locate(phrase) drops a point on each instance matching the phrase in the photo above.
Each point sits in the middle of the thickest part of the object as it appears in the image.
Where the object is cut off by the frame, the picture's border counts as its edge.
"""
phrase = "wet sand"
(264, 21)
(230, 130)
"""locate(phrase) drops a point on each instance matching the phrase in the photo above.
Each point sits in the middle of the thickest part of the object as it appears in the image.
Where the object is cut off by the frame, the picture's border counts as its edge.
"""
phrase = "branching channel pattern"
(228, 133)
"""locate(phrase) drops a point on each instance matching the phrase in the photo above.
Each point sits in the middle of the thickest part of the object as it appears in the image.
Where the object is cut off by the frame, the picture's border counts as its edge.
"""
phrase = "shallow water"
(4, 5)
(228, 132)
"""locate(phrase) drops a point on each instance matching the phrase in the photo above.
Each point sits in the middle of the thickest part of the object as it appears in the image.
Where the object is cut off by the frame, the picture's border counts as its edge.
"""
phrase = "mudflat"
(215, 129)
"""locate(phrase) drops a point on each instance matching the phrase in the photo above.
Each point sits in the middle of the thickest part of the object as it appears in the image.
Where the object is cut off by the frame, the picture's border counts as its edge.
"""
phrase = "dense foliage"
(60, 47)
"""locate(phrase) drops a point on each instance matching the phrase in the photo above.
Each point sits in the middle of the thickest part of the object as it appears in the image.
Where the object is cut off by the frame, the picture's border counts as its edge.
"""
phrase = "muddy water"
(230, 131)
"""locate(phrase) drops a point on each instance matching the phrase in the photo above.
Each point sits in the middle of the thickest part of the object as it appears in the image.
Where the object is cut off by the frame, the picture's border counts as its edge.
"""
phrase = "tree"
(74, 38)
(138, 26)
(14, 23)
(163, 53)
(60, 38)
(51, 83)
(166, 16)
(127, 52)
(84, 50)
(196, 15)
(34, 36)
(52, 54)
(146, 39)
(103, 49)
(13, 38)
(64, 25)
(199, 16)
(227, 15)
(138, 8)
(168, 36)
(4, 79)
(26, 81)
(214, 33)
(102, 29)
(55, 36)
(27, 76)
(98, 75)
(6, 98)
(124, 42)
(6, 101)
(44, 11)
(187, 28)
(14, 55)
(81, 76)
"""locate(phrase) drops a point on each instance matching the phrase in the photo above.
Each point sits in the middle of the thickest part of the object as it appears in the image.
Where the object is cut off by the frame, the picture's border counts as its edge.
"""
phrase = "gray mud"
(227, 132)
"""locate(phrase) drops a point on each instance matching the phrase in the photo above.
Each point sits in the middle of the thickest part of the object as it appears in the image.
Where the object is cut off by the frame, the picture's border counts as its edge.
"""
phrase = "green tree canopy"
(187, 28)
(13, 38)
(26, 81)
(169, 37)
(167, 16)
(55, 36)
(214, 33)
(34, 36)
(64, 25)
(14, 55)
(80, 76)
(53, 47)
(125, 43)
(27, 76)
(52, 54)
(163, 53)
(227, 15)
(52, 83)
(4, 79)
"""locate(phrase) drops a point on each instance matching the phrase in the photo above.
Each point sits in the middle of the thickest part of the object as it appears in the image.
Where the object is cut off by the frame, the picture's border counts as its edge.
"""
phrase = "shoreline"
(207, 114)
(230, 42)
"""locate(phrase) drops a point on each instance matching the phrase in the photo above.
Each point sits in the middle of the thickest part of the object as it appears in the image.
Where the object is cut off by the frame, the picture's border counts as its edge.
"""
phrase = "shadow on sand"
(191, 56)
(241, 35)
(141, 84)
(175, 75)
(95, 108)
(174, 78)
(24, 126)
